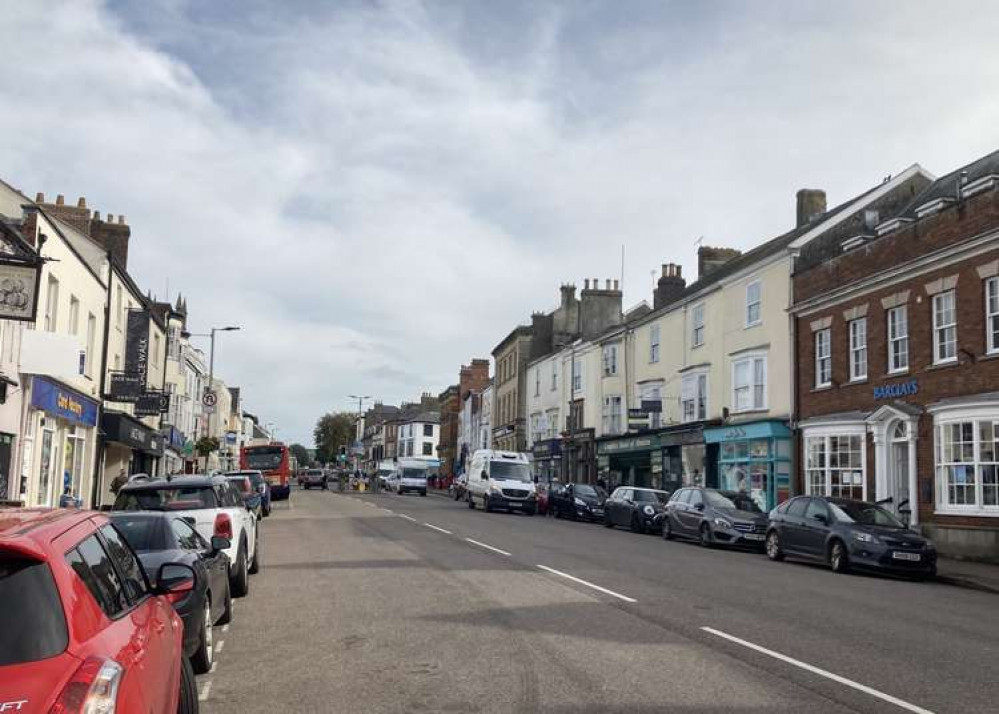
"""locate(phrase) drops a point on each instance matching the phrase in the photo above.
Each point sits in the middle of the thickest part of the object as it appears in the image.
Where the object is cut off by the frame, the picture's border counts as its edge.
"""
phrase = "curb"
(967, 583)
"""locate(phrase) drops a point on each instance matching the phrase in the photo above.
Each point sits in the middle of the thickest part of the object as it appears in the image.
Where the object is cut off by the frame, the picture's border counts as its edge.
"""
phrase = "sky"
(377, 192)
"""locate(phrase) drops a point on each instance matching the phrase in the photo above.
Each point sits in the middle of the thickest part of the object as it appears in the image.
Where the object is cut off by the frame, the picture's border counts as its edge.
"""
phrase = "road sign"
(209, 398)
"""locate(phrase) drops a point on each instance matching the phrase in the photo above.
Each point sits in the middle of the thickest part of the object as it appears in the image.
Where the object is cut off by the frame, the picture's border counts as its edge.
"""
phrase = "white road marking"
(388, 510)
(588, 584)
(219, 646)
(214, 665)
(225, 628)
(408, 518)
(821, 672)
(487, 546)
(436, 528)
(203, 696)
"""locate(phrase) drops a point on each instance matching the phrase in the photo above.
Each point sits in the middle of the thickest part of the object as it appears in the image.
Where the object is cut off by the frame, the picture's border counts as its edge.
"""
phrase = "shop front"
(686, 459)
(59, 443)
(547, 460)
(754, 457)
(173, 450)
(579, 457)
(131, 447)
(634, 460)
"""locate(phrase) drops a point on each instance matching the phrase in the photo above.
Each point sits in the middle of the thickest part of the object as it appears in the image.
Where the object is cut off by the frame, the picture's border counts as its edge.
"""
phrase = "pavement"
(382, 603)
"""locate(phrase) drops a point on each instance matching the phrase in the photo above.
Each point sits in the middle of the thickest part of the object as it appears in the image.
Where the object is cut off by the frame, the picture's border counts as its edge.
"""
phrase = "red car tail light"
(93, 689)
(223, 525)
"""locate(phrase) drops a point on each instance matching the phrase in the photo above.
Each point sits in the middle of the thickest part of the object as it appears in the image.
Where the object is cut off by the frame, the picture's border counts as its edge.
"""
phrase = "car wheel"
(240, 582)
(667, 529)
(187, 702)
(255, 564)
(608, 523)
(774, 551)
(471, 502)
(839, 560)
(485, 504)
(423, 493)
(226, 617)
(201, 660)
(636, 524)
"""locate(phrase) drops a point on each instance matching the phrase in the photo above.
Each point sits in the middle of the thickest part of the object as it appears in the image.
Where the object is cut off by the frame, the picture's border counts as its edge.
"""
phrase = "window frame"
(697, 329)
(943, 328)
(977, 417)
(829, 488)
(858, 352)
(691, 393)
(992, 333)
(758, 285)
(752, 359)
(900, 337)
(610, 359)
(655, 336)
(823, 336)
(611, 416)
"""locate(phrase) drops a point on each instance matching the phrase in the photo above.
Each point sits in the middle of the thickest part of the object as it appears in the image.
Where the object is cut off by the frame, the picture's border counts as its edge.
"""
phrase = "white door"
(898, 470)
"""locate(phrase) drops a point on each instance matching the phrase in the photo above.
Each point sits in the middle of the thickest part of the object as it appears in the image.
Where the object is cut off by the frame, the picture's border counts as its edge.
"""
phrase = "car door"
(791, 525)
(815, 528)
(622, 507)
(213, 564)
(693, 514)
(673, 508)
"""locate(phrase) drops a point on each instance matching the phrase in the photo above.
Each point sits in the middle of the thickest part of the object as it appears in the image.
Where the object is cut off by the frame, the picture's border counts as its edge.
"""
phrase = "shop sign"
(123, 429)
(230, 437)
(173, 437)
(19, 290)
(548, 448)
(899, 389)
(636, 443)
(63, 403)
(736, 433)
(125, 387)
(502, 431)
(137, 343)
(152, 404)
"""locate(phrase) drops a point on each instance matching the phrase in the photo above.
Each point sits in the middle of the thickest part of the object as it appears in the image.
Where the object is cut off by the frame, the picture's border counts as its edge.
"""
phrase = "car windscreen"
(510, 471)
(314, 472)
(866, 514)
(242, 483)
(651, 497)
(35, 627)
(264, 459)
(178, 498)
(414, 473)
(736, 501)
(143, 533)
(256, 479)
(588, 491)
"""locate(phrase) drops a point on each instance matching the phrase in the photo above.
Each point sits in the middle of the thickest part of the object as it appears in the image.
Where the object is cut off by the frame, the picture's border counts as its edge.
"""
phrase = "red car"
(81, 629)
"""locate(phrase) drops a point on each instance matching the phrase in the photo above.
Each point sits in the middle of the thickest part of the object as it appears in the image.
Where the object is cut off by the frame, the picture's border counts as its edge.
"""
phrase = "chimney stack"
(586, 283)
(60, 200)
(811, 203)
(81, 202)
(671, 286)
(709, 259)
(39, 197)
(77, 216)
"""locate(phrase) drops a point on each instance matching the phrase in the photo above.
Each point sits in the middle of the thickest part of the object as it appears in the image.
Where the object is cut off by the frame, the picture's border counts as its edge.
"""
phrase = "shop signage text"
(137, 343)
(637, 443)
(899, 389)
(152, 404)
(125, 387)
(63, 403)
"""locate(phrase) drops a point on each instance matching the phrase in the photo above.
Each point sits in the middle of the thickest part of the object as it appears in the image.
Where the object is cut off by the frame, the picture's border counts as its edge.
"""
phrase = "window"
(698, 326)
(650, 397)
(754, 303)
(155, 356)
(749, 383)
(610, 360)
(695, 498)
(612, 415)
(91, 337)
(118, 312)
(694, 397)
(968, 465)
(577, 375)
(93, 566)
(816, 508)
(552, 417)
(428, 448)
(858, 349)
(537, 381)
(992, 315)
(834, 465)
(654, 343)
(823, 358)
(554, 375)
(173, 342)
(51, 304)
(187, 537)
(537, 428)
(428, 429)
(74, 315)
(944, 327)
(898, 339)
(126, 562)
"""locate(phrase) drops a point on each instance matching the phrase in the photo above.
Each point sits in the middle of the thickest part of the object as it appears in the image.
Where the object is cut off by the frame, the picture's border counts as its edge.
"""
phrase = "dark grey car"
(714, 518)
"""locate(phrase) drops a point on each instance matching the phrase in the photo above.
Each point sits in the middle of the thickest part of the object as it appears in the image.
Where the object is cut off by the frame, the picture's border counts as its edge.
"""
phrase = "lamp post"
(211, 361)
(360, 408)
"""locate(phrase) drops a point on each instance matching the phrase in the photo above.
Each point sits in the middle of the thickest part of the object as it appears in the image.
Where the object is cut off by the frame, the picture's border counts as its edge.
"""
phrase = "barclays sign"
(899, 389)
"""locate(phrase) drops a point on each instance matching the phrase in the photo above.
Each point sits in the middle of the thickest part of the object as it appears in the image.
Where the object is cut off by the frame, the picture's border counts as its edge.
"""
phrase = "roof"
(157, 482)
(519, 330)
(946, 187)
(32, 528)
(423, 417)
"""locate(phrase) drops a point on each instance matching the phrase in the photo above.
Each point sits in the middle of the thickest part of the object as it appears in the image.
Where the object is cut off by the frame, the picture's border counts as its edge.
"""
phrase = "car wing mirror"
(484, 476)
(699, 506)
(821, 518)
(220, 543)
(175, 579)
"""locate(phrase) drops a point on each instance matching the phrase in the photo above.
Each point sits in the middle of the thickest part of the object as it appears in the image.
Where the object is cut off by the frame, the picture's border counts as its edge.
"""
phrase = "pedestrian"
(120, 480)
(68, 500)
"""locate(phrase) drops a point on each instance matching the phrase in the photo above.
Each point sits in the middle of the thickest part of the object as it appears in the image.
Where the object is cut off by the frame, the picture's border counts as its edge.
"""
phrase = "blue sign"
(174, 437)
(900, 389)
(63, 403)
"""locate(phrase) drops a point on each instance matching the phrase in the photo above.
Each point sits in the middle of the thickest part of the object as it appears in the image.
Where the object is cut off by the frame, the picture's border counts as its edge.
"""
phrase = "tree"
(332, 431)
(301, 454)
(205, 447)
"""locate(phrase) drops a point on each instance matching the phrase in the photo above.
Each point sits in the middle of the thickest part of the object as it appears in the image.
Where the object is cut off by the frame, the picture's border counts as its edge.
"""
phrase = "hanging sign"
(137, 343)
(124, 387)
(152, 404)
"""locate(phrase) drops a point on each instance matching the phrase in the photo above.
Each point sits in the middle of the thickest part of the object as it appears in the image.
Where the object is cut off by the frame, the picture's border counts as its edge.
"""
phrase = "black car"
(159, 538)
(635, 507)
(846, 533)
(578, 501)
(714, 517)
(261, 486)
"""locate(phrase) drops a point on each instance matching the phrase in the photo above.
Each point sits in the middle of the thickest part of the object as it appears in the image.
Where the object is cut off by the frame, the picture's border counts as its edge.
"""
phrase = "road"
(382, 603)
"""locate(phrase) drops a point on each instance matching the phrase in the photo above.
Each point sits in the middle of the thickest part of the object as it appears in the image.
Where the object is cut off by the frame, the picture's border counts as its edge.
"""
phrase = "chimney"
(39, 197)
(568, 294)
(710, 259)
(60, 200)
(77, 216)
(811, 203)
(81, 202)
(671, 286)
(113, 237)
(586, 283)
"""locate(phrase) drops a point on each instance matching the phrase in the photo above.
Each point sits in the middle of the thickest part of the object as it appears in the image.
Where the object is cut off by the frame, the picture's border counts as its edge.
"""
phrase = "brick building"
(897, 347)
(447, 445)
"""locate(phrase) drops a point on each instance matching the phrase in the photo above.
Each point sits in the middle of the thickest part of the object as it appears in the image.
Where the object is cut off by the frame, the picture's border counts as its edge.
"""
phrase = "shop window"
(968, 465)
(823, 357)
(697, 336)
(944, 327)
(654, 343)
(834, 466)
(992, 315)
(749, 384)
(898, 339)
(858, 349)
(754, 303)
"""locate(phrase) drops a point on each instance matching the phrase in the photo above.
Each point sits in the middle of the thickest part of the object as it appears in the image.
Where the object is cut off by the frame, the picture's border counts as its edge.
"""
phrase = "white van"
(410, 476)
(501, 479)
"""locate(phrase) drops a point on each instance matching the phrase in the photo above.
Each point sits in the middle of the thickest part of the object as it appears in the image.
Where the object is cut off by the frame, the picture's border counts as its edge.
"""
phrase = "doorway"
(898, 470)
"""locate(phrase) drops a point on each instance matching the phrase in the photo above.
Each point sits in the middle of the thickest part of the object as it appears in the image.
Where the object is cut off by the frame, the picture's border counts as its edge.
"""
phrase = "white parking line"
(225, 628)
(215, 664)
(203, 696)
(408, 518)
(821, 672)
(588, 584)
(436, 528)
(487, 546)
(219, 646)
(388, 510)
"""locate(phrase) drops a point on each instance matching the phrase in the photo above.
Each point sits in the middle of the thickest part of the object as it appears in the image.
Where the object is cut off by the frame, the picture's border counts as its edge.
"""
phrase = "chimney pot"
(607, 283)
(82, 202)
(616, 285)
(39, 197)
(811, 203)
(679, 270)
(110, 218)
(60, 200)
(586, 283)
(121, 219)
(97, 216)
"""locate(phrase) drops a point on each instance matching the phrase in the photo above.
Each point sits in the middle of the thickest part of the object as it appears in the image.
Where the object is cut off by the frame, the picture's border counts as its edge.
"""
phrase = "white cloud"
(379, 193)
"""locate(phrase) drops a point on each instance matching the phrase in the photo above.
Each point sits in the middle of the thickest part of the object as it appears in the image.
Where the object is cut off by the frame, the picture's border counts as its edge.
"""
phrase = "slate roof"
(946, 186)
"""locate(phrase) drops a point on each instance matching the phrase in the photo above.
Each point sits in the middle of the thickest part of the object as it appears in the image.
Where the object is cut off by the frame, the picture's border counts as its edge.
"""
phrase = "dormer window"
(933, 207)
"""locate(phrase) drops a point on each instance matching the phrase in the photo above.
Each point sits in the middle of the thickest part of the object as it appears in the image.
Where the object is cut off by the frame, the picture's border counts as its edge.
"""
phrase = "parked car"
(501, 479)
(213, 506)
(89, 632)
(578, 501)
(159, 538)
(714, 517)
(848, 534)
(312, 478)
(635, 507)
(250, 495)
(459, 487)
(261, 486)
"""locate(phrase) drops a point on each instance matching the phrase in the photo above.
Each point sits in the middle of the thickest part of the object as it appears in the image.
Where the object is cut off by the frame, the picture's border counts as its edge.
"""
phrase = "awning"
(125, 429)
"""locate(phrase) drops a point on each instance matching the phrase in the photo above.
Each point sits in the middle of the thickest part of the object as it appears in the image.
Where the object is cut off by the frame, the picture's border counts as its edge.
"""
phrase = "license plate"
(915, 557)
(753, 536)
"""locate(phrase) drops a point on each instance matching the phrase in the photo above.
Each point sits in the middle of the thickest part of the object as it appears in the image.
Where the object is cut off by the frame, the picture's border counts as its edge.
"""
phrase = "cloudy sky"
(379, 191)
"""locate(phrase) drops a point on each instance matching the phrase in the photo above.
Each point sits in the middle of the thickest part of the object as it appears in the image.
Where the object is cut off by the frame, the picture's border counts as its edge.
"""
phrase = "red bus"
(274, 461)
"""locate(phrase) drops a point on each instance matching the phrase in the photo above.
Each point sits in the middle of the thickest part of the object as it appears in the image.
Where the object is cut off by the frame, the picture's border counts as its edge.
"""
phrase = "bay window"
(967, 456)
(835, 466)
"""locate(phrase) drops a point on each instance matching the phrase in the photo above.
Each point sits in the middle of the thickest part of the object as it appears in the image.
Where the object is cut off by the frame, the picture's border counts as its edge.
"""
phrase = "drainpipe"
(793, 351)
(99, 452)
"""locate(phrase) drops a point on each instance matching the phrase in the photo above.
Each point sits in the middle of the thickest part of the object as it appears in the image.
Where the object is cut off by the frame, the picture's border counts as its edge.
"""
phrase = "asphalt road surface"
(382, 603)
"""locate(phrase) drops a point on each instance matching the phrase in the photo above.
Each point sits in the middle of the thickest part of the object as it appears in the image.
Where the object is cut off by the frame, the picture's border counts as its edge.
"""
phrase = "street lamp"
(360, 408)
(211, 352)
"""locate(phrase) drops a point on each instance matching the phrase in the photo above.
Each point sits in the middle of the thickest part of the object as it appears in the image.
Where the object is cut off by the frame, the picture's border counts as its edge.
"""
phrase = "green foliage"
(332, 431)
(300, 453)
(206, 445)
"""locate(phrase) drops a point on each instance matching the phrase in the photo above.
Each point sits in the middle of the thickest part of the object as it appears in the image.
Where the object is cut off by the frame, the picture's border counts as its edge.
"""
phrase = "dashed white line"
(437, 528)
(214, 665)
(225, 628)
(205, 690)
(219, 646)
(408, 518)
(588, 584)
(821, 672)
(487, 546)
(388, 510)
